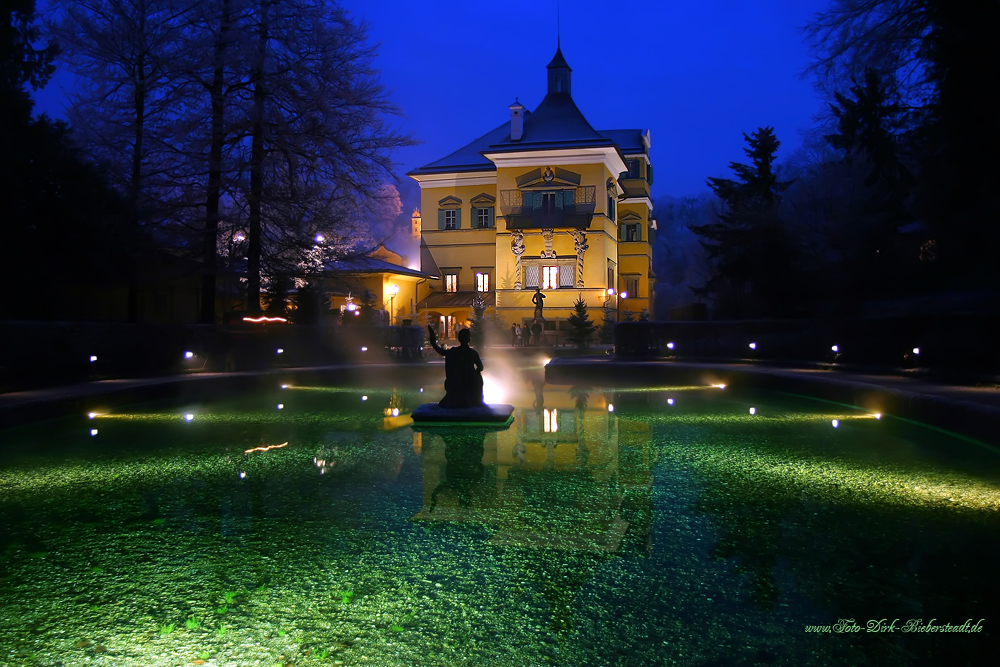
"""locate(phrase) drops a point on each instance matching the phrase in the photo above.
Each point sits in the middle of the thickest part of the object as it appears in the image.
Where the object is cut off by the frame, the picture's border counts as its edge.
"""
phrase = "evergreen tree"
(479, 322)
(747, 243)
(582, 329)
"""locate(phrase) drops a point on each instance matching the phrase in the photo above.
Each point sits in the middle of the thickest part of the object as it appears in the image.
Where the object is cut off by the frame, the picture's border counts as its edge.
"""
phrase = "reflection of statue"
(537, 298)
(517, 247)
(464, 469)
(463, 384)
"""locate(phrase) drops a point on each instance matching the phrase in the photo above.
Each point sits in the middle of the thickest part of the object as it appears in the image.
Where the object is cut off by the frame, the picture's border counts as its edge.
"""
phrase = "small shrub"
(192, 623)
(165, 629)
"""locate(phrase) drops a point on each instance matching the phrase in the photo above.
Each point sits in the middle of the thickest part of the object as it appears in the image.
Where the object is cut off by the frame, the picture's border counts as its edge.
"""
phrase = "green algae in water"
(643, 536)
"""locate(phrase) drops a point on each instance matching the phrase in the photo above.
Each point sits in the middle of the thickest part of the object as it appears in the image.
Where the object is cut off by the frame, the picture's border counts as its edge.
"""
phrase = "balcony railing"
(526, 209)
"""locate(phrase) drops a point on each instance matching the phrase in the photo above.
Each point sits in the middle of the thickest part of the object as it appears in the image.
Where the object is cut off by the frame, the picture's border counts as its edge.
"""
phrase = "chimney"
(516, 121)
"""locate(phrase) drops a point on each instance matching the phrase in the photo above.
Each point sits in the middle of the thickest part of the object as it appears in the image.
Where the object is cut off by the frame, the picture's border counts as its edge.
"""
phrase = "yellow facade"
(544, 201)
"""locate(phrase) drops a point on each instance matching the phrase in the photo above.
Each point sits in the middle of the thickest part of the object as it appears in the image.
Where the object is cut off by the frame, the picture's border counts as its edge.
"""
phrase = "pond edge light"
(753, 346)
(93, 431)
(264, 320)
(670, 345)
(188, 354)
(188, 417)
(93, 358)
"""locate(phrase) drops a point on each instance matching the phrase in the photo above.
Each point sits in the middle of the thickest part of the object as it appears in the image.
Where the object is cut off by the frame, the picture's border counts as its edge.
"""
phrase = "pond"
(313, 525)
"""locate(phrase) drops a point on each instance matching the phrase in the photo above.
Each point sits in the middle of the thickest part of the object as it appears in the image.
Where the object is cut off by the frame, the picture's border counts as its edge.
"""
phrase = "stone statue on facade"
(517, 247)
(580, 244)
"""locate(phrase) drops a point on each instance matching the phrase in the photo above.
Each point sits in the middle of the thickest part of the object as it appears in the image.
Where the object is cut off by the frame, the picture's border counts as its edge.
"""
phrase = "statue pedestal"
(495, 414)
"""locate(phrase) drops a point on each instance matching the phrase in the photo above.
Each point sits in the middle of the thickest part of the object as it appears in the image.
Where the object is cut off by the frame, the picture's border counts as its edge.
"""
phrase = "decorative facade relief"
(580, 243)
(547, 235)
(517, 247)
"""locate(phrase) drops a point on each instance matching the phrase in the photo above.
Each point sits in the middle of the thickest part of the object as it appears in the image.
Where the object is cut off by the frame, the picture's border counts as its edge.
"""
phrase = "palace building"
(543, 201)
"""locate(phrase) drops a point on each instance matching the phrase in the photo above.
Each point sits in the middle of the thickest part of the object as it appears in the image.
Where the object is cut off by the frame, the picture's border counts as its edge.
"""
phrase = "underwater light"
(916, 350)
(243, 475)
(878, 415)
(670, 345)
(364, 349)
(188, 417)
(835, 348)
(421, 390)
(93, 431)
(281, 406)
(281, 350)
(364, 398)
(670, 401)
(395, 412)
(753, 346)
(93, 358)
(753, 411)
(188, 355)
(611, 407)
(719, 386)
(91, 415)
(836, 423)
(284, 386)
(265, 448)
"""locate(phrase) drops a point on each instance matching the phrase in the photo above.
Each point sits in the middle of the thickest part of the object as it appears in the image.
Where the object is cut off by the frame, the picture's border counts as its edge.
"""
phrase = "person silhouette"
(463, 383)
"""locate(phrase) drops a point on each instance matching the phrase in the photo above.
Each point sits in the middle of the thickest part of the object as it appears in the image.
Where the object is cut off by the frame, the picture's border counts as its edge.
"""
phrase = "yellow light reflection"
(266, 449)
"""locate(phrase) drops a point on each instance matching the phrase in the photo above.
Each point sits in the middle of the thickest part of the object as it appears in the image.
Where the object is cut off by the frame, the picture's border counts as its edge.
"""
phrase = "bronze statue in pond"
(463, 384)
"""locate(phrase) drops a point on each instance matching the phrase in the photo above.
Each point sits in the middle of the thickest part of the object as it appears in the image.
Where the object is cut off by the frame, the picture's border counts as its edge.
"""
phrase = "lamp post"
(393, 291)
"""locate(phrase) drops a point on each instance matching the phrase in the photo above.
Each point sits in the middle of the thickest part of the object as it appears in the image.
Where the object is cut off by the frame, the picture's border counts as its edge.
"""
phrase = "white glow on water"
(493, 389)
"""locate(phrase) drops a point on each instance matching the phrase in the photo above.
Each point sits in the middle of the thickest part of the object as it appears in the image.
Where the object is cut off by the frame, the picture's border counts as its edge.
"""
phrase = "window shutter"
(440, 218)
(638, 232)
(458, 218)
(649, 173)
(489, 212)
(569, 198)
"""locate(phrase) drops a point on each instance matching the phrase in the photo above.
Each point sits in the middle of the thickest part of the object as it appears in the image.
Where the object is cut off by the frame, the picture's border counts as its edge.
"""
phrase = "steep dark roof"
(558, 61)
(468, 157)
(556, 123)
(629, 141)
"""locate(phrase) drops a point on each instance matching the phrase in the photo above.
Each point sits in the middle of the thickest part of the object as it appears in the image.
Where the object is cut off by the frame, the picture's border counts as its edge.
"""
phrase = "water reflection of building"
(568, 474)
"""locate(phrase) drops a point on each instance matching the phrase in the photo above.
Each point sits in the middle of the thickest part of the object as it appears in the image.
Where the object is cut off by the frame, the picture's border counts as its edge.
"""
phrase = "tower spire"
(558, 27)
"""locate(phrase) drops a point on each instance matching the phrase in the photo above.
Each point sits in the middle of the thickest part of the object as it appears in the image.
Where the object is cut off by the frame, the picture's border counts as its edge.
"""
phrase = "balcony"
(634, 187)
(542, 209)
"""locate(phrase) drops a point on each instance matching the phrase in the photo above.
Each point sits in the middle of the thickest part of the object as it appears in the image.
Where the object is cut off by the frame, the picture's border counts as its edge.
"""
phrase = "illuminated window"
(550, 420)
(451, 282)
(451, 219)
(482, 282)
(631, 233)
(550, 277)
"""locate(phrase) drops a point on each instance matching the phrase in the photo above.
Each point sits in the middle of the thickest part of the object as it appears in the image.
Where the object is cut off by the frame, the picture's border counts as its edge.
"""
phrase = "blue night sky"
(697, 73)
